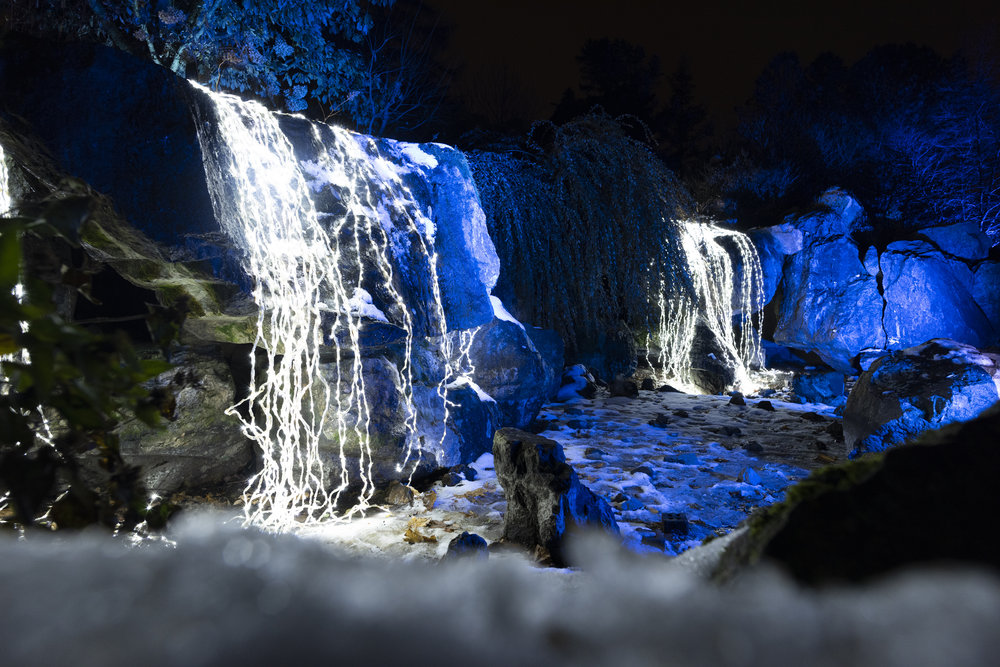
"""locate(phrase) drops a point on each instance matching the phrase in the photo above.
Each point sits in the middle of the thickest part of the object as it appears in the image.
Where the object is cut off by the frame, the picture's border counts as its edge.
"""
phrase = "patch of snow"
(360, 304)
(469, 382)
(501, 313)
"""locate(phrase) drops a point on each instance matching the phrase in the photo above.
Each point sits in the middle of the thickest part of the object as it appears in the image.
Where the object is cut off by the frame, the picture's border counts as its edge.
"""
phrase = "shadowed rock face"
(918, 389)
(545, 498)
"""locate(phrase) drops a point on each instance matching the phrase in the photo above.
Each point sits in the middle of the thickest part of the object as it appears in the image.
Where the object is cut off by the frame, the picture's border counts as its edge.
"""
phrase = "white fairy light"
(713, 275)
(303, 272)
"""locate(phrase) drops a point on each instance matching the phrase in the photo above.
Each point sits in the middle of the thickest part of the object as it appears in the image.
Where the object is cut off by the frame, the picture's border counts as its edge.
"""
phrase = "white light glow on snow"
(714, 277)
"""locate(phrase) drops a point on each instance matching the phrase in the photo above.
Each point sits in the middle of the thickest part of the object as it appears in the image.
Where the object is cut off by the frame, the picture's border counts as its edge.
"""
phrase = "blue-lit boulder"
(986, 291)
(929, 296)
(917, 389)
(510, 369)
(545, 498)
(964, 240)
(830, 302)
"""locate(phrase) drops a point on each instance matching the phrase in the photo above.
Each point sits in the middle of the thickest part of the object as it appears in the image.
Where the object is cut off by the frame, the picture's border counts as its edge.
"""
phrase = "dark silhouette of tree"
(915, 136)
(616, 75)
(498, 99)
(682, 125)
(402, 84)
(290, 53)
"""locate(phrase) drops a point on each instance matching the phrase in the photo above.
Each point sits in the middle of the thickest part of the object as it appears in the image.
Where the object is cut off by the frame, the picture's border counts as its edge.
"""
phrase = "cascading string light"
(713, 274)
(303, 275)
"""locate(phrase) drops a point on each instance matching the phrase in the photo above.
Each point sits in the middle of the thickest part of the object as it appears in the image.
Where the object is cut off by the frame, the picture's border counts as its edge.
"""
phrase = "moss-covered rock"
(931, 501)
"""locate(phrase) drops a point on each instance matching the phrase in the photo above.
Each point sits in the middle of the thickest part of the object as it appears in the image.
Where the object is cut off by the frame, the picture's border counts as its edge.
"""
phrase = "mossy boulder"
(930, 501)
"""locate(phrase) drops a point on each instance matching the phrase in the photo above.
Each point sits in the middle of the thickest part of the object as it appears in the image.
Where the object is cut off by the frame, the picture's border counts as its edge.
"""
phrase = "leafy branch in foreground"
(64, 389)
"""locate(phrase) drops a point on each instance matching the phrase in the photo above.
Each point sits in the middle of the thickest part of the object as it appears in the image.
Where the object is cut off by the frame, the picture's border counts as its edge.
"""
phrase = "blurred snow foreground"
(228, 596)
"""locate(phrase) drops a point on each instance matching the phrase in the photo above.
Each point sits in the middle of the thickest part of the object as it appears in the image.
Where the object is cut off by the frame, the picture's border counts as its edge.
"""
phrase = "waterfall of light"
(717, 302)
(308, 271)
(5, 199)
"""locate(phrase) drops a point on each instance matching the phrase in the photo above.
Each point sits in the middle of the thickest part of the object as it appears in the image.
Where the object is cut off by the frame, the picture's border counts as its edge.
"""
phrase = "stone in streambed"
(545, 498)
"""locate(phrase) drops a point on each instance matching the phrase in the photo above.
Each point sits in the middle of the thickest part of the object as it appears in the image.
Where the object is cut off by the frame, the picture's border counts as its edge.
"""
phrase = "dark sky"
(727, 43)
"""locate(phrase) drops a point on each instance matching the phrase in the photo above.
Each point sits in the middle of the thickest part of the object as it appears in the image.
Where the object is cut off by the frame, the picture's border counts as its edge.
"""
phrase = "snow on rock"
(225, 596)
(501, 313)
(917, 389)
(577, 380)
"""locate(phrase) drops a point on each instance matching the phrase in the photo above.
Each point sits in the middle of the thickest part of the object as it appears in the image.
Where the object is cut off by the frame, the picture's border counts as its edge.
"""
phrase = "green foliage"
(583, 219)
(64, 389)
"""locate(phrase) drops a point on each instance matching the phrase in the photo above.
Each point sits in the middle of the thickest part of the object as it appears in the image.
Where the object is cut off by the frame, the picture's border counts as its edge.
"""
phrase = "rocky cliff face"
(413, 264)
(838, 295)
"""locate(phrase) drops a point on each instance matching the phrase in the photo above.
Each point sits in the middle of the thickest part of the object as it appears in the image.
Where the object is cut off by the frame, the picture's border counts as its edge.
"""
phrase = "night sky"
(727, 43)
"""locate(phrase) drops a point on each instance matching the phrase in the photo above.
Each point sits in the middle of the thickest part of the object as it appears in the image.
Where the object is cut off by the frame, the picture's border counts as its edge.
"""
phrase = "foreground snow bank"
(226, 596)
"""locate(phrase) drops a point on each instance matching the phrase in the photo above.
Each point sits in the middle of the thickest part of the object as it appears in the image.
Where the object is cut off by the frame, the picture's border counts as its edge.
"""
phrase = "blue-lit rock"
(964, 240)
(917, 389)
(986, 292)
(830, 302)
(509, 368)
(929, 296)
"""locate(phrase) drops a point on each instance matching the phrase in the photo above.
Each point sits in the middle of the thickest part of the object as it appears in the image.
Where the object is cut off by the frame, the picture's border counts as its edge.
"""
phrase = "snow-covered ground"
(703, 458)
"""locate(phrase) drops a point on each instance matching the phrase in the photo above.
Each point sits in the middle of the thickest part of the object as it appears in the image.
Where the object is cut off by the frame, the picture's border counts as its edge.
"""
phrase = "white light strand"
(261, 196)
(713, 275)
(5, 197)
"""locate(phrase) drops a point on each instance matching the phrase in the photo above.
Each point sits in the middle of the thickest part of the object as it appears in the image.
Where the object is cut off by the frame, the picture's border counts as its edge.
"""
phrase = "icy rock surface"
(228, 597)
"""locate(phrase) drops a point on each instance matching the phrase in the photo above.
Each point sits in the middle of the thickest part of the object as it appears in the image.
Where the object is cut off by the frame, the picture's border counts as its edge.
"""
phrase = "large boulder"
(929, 296)
(932, 502)
(199, 445)
(509, 368)
(841, 300)
(964, 240)
(830, 304)
(918, 389)
(544, 496)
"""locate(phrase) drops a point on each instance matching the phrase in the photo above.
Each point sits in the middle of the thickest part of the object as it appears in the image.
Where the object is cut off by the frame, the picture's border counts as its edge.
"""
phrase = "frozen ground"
(701, 457)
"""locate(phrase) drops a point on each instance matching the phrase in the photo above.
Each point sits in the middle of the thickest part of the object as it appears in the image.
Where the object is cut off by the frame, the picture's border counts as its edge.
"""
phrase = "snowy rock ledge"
(224, 596)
